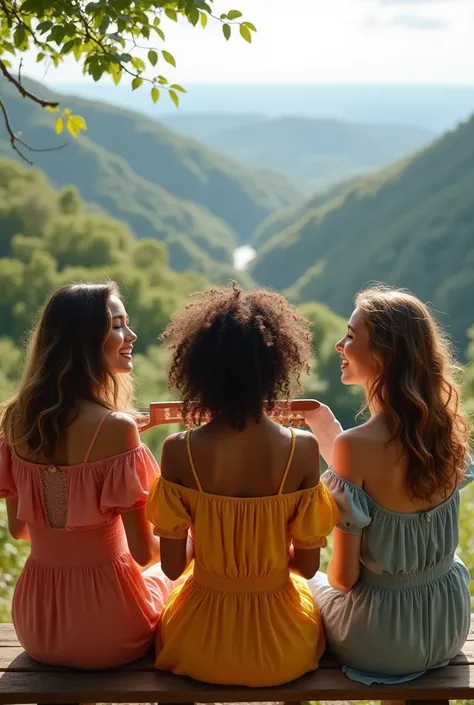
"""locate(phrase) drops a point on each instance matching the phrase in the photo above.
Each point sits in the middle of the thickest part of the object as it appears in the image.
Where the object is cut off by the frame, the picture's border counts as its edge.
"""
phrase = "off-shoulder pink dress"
(81, 600)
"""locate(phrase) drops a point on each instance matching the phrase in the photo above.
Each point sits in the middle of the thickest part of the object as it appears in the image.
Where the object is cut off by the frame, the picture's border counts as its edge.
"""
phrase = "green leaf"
(234, 15)
(19, 36)
(137, 63)
(75, 124)
(251, 26)
(59, 126)
(226, 31)
(136, 83)
(162, 80)
(77, 51)
(40, 57)
(203, 17)
(174, 97)
(68, 46)
(155, 94)
(171, 14)
(116, 72)
(153, 57)
(193, 16)
(177, 87)
(44, 26)
(160, 33)
(169, 58)
(30, 6)
(245, 33)
(104, 25)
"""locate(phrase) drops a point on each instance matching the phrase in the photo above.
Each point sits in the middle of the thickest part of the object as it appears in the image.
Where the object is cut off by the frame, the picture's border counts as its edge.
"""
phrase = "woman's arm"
(143, 545)
(326, 428)
(344, 565)
(176, 555)
(18, 529)
(119, 435)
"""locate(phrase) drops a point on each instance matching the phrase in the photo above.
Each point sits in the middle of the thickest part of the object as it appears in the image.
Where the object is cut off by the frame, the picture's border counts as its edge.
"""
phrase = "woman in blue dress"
(395, 601)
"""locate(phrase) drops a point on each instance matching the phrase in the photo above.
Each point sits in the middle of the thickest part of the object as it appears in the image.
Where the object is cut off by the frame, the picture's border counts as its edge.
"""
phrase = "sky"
(321, 42)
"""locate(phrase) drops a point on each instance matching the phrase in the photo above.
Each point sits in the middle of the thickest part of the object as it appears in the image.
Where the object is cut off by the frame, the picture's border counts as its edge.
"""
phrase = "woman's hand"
(325, 427)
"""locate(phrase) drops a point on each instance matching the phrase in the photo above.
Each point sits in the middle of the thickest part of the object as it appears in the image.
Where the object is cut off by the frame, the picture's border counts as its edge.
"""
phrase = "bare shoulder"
(121, 431)
(307, 442)
(307, 458)
(352, 451)
(172, 455)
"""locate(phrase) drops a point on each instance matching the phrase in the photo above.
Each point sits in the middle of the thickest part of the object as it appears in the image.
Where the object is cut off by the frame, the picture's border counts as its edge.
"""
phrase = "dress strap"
(191, 461)
(290, 458)
(96, 433)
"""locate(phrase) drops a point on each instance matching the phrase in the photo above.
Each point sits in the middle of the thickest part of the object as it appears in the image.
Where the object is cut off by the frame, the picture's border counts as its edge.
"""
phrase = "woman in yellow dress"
(241, 495)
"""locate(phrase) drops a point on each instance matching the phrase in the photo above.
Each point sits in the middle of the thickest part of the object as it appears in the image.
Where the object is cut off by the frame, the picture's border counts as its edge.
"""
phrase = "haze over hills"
(164, 185)
(432, 107)
(409, 225)
(323, 152)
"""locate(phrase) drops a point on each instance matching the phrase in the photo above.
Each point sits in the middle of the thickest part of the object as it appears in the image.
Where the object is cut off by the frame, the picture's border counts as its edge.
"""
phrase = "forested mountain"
(48, 238)
(320, 151)
(165, 186)
(409, 225)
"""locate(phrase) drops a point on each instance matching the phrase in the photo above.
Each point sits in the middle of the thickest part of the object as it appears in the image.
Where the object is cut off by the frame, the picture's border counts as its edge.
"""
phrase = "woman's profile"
(247, 491)
(396, 598)
(75, 477)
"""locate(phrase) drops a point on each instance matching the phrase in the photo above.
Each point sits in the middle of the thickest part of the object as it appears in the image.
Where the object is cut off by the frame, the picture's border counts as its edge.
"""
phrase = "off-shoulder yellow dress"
(240, 617)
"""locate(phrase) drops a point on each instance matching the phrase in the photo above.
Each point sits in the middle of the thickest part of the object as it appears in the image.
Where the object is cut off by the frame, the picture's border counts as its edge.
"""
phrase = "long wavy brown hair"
(417, 388)
(65, 364)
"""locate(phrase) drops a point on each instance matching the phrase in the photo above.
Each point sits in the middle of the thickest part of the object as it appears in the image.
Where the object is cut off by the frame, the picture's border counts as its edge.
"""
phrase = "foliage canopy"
(115, 39)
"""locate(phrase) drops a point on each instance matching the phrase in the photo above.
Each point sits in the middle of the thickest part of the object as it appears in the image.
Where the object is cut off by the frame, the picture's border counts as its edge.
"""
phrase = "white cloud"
(321, 42)
(408, 21)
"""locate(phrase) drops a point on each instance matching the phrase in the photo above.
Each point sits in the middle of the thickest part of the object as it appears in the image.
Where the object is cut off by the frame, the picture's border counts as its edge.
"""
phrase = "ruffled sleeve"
(167, 511)
(7, 483)
(315, 517)
(468, 473)
(129, 478)
(352, 502)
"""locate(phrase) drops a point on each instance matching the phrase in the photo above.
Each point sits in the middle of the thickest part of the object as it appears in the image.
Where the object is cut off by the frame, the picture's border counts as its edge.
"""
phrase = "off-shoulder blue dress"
(410, 609)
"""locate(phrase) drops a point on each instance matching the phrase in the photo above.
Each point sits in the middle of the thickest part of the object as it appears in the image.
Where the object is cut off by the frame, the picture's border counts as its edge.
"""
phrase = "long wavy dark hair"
(417, 388)
(65, 364)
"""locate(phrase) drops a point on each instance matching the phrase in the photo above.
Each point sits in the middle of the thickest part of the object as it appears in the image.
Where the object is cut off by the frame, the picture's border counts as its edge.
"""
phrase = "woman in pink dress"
(76, 477)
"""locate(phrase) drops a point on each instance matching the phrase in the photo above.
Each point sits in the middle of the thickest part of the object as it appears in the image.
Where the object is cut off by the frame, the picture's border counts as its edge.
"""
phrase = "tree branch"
(15, 140)
(24, 92)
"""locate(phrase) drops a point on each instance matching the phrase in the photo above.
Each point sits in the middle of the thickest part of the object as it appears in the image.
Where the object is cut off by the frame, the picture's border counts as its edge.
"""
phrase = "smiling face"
(118, 346)
(358, 363)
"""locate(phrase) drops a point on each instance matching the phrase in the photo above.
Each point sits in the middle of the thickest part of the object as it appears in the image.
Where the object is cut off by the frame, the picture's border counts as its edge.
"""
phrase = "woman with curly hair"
(75, 477)
(396, 598)
(247, 489)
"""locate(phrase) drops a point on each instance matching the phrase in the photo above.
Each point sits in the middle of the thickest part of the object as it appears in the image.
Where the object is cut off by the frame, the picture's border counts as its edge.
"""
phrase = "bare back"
(381, 466)
(93, 434)
(250, 463)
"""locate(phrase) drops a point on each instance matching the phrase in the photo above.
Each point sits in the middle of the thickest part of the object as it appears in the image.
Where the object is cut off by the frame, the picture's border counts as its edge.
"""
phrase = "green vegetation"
(166, 187)
(105, 40)
(50, 237)
(409, 225)
(322, 152)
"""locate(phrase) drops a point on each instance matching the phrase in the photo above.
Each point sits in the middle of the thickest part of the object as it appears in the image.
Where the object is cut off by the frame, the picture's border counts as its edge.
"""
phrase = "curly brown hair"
(417, 388)
(236, 354)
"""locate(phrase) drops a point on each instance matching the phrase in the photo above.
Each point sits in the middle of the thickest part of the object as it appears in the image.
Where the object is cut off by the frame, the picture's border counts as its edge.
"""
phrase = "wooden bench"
(22, 680)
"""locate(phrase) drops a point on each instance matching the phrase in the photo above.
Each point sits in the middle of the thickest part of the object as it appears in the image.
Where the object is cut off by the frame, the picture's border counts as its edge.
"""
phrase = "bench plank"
(23, 680)
(129, 687)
